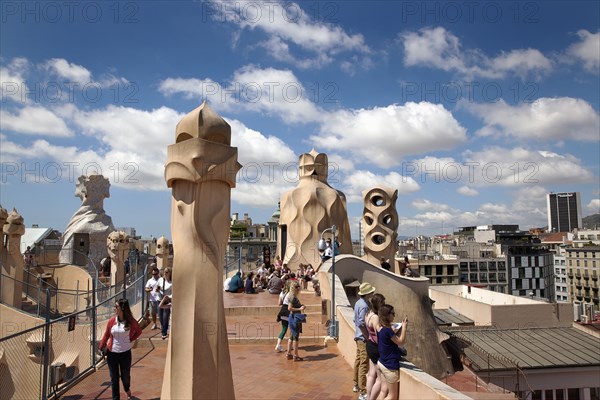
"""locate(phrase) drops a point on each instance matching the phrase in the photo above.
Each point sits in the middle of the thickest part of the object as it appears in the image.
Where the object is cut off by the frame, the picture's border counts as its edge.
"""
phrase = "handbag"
(300, 318)
(165, 303)
(283, 314)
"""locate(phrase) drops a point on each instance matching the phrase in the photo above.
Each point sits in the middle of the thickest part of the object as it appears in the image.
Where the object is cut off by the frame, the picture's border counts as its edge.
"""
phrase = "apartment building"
(583, 269)
(489, 273)
(561, 287)
(440, 270)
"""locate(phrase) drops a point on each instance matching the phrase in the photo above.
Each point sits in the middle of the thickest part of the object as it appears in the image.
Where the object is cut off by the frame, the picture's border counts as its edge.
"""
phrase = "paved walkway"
(258, 371)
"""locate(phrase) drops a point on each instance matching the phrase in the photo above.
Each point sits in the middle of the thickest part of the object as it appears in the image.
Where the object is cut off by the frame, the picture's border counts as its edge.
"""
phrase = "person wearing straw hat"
(361, 362)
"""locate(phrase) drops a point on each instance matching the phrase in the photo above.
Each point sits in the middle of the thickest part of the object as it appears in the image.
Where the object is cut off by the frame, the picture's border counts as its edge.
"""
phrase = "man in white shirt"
(262, 273)
(154, 296)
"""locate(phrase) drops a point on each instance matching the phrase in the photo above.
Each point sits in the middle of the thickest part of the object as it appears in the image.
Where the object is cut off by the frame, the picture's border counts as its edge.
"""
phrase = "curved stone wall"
(409, 296)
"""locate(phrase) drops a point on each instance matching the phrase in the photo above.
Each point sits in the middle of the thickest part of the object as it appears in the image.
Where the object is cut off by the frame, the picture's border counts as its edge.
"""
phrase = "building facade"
(440, 271)
(564, 211)
(561, 287)
(488, 272)
(583, 269)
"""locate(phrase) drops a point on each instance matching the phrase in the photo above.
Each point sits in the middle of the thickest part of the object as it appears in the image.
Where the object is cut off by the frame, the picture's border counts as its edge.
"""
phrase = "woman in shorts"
(388, 342)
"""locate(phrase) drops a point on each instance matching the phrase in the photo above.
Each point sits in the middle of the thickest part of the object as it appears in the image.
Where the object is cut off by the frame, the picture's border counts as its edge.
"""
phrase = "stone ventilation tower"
(12, 259)
(380, 222)
(117, 244)
(162, 253)
(308, 210)
(200, 170)
(90, 225)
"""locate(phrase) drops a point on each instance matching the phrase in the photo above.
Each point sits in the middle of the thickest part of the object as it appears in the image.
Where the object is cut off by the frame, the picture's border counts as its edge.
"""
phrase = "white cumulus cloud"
(290, 25)
(441, 49)
(467, 191)
(384, 135)
(546, 118)
(266, 90)
(34, 120)
(358, 181)
(594, 206)
(72, 72)
(521, 166)
(587, 50)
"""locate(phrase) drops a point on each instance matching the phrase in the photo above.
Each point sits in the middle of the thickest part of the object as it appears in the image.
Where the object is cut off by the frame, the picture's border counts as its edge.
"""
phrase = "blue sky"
(474, 111)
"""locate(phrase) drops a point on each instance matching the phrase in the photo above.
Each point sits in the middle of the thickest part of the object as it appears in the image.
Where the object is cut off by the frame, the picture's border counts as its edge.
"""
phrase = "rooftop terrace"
(258, 371)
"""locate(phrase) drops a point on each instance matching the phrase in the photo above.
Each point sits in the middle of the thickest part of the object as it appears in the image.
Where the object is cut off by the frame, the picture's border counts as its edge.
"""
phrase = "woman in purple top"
(388, 341)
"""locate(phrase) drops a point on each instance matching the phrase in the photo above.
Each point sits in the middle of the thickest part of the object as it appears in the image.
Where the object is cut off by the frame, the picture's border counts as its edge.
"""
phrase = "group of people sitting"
(272, 279)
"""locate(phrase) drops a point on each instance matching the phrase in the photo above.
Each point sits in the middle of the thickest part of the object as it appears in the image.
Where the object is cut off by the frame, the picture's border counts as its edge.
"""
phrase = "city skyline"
(473, 111)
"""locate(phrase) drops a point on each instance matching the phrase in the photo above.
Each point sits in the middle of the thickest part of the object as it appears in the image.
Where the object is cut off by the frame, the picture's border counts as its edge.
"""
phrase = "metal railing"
(44, 361)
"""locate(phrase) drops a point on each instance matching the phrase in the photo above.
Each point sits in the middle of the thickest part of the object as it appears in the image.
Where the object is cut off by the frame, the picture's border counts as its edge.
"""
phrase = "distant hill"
(591, 221)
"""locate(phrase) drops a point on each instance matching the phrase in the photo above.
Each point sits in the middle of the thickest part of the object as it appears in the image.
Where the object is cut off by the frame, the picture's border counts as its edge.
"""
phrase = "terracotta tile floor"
(258, 371)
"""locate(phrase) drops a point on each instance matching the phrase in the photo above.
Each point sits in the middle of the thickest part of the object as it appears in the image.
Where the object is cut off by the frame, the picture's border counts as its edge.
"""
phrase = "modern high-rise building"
(564, 212)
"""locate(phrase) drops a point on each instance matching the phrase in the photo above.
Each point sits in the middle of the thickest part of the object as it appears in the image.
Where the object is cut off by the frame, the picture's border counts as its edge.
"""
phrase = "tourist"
(292, 276)
(407, 271)
(336, 246)
(154, 296)
(328, 252)
(385, 264)
(167, 304)
(236, 285)
(122, 329)
(361, 362)
(283, 315)
(249, 284)
(261, 274)
(388, 342)
(374, 377)
(275, 285)
(226, 283)
(259, 283)
(301, 275)
(295, 308)
(308, 275)
(278, 263)
(28, 257)
(164, 288)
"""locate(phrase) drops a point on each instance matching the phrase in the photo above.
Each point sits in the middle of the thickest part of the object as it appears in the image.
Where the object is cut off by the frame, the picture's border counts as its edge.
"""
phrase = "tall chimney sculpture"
(201, 168)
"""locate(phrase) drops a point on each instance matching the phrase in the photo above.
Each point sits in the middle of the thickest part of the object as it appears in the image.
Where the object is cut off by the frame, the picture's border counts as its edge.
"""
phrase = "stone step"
(265, 310)
(307, 337)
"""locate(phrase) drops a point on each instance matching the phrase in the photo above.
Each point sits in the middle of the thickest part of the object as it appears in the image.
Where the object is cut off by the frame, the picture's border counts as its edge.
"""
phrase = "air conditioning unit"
(58, 371)
(577, 311)
(585, 319)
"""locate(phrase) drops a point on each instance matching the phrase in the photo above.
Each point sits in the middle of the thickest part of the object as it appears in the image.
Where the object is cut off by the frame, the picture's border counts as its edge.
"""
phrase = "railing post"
(46, 349)
(94, 317)
(39, 288)
(56, 296)
(144, 292)
(77, 297)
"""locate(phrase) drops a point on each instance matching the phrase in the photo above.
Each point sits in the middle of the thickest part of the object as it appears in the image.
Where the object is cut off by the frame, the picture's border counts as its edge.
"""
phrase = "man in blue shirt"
(361, 363)
(236, 285)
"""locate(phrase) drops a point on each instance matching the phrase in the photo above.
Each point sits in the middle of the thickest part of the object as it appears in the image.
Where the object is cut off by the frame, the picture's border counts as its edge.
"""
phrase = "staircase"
(252, 319)
(28, 305)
